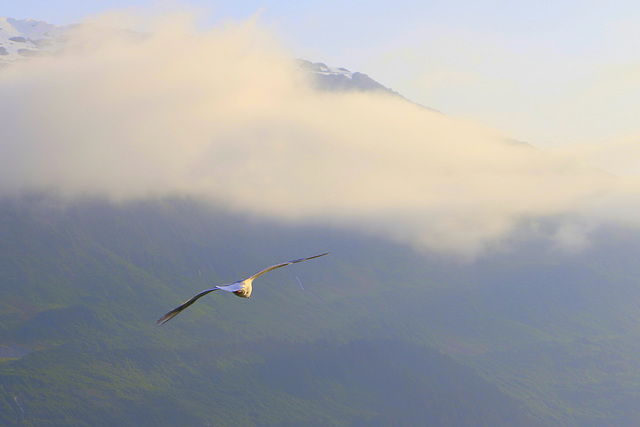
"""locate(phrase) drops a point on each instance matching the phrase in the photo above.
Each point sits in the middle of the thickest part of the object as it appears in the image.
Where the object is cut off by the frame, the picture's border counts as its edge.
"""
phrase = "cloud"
(226, 115)
(619, 156)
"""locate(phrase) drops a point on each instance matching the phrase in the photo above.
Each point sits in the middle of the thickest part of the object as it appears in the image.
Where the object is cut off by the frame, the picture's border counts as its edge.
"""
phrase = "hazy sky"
(547, 72)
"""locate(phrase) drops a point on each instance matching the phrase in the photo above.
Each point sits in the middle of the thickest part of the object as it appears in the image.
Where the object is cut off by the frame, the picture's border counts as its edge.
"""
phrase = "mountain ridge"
(22, 39)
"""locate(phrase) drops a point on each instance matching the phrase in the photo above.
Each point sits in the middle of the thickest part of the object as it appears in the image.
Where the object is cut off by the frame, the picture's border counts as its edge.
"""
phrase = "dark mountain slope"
(84, 282)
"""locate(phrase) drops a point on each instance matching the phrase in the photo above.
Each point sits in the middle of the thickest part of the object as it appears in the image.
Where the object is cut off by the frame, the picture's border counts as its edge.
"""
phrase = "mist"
(226, 115)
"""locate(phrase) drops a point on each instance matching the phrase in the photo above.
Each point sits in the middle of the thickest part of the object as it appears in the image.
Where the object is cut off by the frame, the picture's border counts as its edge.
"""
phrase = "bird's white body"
(241, 288)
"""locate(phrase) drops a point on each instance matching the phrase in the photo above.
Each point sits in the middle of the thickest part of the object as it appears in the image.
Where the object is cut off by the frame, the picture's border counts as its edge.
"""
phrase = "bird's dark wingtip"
(170, 315)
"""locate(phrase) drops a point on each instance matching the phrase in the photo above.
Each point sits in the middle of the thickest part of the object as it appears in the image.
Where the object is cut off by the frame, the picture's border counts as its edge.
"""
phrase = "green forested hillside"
(82, 284)
(373, 334)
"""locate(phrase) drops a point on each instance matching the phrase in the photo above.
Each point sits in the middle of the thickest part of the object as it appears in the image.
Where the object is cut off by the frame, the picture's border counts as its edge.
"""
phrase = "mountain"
(84, 282)
(340, 79)
(21, 39)
(373, 334)
(377, 333)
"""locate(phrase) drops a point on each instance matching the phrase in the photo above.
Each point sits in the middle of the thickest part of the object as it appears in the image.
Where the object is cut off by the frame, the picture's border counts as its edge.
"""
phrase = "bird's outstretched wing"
(231, 288)
(282, 264)
(173, 313)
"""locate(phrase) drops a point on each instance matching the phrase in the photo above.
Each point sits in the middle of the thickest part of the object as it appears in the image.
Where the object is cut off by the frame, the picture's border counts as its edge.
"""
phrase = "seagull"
(241, 288)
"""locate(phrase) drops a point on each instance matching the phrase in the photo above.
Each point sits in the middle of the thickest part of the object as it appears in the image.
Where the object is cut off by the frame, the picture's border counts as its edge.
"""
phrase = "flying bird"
(241, 288)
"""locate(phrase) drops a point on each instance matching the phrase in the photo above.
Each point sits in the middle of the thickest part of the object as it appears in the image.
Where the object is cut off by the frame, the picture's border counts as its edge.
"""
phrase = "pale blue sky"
(547, 72)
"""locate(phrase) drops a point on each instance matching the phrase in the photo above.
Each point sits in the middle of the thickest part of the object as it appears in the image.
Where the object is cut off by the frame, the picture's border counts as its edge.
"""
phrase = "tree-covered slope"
(321, 343)
(347, 339)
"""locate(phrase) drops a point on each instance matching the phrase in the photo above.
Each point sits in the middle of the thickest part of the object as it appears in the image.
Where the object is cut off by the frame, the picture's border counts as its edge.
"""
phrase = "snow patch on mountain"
(324, 70)
(24, 38)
